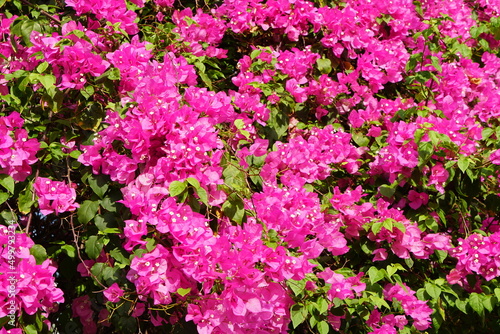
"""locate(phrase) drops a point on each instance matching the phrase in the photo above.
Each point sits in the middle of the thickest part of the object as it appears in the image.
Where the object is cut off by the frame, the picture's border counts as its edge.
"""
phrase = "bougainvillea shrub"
(249, 166)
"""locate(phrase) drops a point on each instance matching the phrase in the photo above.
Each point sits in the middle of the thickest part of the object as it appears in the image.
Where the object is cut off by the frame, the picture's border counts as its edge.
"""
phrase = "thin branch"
(27, 229)
(51, 17)
(75, 239)
(14, 217)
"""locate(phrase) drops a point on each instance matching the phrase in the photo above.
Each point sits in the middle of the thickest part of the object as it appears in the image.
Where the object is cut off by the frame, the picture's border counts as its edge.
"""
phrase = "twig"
(14, 217)
(27, 3)
(31, 213)
(75, 239)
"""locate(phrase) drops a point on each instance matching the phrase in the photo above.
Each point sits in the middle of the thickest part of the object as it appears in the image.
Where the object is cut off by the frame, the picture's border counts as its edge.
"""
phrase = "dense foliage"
(249, 166)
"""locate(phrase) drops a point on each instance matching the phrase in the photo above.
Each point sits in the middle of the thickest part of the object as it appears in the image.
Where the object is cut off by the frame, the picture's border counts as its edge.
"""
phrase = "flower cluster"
(403, 235)
(35, 287)
(303, 161)
(17, 151)
(73, 63)
(199, 29)
(154, 275)
(54, 196)
(476, 254)
(82, 308)
(295, 214)
(417, 309)
(114, 11)
(132, 60)
(385, 324)
(342, 287)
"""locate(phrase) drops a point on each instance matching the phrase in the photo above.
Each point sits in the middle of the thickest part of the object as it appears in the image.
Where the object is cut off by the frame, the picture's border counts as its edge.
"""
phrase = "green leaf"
(48, 81)
(463, 49)
(433, 290)
(234, 178)
(324, 65)
(441, 254)
(360, 139)
(322, 305)
(323, 327)
(419, 133)
(299, 314)
(409, 262)
(376, 227)
(176, 188)
(93, 246)
(475, 31)
(388, 224)
(42, 67)
(113, 73)
(393, 268)
(399, 226)
(100, 222)
(99, 184)
(31, 329)
(278, 121)
(87, 211)
(497, 293)
(313, 320)
(425, 151)
(379, 302)
(233, 208)
(183, 292)
(109, 203)
(488, 303)
(239, 124)
(200, 191)
(97, 269)
(26, 199)
(8, 216)
(151, 244)
(461, 305)
(463, 163)
(201, 73)
(255, 53)
(112, 231)
(387, 190)
(375, 275)
(120, 255)
(87, 92)
(476, 303)
(412, 62)
(23, 27)
(436, 63)
(39, 253)
(487, 132)
(75, 154)
(194, 182)
(7, 182)
(297, 286)
(3, 197)
(431, 224)
(69, 250)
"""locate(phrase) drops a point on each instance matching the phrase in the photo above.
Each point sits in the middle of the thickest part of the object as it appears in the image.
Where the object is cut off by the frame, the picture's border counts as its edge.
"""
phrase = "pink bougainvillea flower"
(417, 199)
(380, 254)
(415, 308)
(495, 157)
(54, 196)
(11, 331)
(439, 176)
(164, 3)
(113, 293)
(35, 288)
